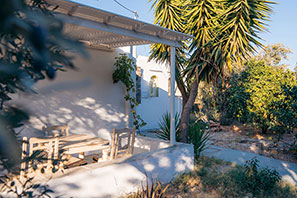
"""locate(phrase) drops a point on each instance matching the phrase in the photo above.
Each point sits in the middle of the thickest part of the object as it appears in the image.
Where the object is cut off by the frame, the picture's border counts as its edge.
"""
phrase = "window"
(154, 90)
(138, 85)
(169, 86)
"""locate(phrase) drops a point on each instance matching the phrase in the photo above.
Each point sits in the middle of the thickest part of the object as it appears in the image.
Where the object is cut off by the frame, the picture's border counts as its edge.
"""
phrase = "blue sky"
(282, 27)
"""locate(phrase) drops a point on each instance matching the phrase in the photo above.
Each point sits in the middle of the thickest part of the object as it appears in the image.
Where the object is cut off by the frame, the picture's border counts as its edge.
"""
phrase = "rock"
(214, 127)
(274, 152)
(254, 148)
(243, 141)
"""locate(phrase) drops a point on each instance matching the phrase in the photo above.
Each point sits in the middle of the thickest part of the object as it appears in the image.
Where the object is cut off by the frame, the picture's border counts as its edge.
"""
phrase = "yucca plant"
(164, 126)
(224, 32)
(198, 136)
(155, 190)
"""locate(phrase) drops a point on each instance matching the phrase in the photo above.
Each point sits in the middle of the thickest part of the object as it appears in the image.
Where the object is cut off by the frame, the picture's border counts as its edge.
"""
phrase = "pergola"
(103, 29)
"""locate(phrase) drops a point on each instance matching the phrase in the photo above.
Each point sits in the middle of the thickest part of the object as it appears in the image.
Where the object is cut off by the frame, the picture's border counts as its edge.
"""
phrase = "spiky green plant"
(164, 125)
(155, 190)
(198, 136)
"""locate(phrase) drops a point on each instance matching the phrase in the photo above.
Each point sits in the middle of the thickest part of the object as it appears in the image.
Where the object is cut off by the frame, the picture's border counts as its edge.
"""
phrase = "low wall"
(125, 176)
(150, 144)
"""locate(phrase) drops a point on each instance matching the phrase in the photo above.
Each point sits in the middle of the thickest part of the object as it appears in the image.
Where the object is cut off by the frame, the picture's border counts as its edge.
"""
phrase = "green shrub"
(259, 180)
(241, 181)
(217, 178)
(284, 111)
(265, 96)
(125, 66)
(198, 136)
(164, 126)
(262, 93)
(237, 100)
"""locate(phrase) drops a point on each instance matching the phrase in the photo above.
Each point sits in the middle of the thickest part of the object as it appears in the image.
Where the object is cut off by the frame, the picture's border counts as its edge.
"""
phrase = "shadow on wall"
(84, 115)
(86, 100)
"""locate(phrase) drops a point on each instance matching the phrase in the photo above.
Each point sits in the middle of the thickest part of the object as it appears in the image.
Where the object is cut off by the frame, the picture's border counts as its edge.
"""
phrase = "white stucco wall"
(85, 98)
(88, 101)
(151, 109)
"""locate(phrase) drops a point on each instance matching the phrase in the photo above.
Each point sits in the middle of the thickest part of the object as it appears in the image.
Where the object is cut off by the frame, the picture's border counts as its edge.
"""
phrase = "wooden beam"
(162, 33)
(138, 27)
(108, 19)
(72, 10)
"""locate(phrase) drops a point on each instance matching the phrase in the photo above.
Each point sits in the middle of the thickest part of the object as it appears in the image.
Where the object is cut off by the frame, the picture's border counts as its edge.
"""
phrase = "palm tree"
(224, 31)
(169, 14)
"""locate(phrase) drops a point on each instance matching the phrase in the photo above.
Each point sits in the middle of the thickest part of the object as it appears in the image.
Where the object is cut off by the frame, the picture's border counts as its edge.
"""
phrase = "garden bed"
(246, 138)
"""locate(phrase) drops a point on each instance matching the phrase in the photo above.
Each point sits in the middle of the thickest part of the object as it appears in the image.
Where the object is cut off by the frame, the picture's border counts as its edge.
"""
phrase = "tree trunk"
(181, 85)
(264, 129)
(187, 108)
(183, 92)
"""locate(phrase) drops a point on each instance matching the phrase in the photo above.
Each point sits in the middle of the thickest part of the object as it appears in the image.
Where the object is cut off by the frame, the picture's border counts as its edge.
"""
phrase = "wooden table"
(81, 143)
(70, 144)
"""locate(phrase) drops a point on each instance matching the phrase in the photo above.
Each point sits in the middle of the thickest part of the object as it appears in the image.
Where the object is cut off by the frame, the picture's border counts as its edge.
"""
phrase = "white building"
(155, 89)
(90, 103)
(87, 99)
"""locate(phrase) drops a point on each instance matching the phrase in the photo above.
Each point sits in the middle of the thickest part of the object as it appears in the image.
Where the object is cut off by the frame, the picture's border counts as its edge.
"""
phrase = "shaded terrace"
(154, 158)
(105, 30)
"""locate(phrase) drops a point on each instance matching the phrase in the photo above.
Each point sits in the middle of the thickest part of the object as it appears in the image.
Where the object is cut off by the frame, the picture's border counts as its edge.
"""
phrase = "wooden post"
(112, 144)
(81, 155)
(24, 154)
(172, 95)
(66, 130)
(132, 141)
(50, 155)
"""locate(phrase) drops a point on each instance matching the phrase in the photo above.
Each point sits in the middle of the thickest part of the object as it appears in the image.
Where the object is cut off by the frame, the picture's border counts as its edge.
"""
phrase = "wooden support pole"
(172, 95)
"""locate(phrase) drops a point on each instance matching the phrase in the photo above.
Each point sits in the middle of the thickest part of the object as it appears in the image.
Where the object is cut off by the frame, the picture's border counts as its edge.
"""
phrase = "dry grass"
(215, 178)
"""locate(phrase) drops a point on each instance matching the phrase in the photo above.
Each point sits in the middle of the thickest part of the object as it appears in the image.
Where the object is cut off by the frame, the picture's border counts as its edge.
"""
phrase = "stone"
(243, 141)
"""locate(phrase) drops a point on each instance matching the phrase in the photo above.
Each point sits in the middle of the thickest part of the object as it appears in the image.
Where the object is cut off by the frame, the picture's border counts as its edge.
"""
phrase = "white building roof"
(102, 28)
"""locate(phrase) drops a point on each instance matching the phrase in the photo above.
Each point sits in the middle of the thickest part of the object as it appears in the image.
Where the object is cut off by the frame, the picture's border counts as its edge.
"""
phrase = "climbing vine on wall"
(124, 67)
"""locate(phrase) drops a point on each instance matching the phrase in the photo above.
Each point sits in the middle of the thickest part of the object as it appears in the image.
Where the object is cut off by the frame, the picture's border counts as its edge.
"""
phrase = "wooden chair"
(57, 130)
(50, 148)
(122, 143)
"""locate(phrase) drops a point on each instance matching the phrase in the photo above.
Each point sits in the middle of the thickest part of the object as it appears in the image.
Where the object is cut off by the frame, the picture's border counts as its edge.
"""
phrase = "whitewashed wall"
(151, 109)
(86, 99)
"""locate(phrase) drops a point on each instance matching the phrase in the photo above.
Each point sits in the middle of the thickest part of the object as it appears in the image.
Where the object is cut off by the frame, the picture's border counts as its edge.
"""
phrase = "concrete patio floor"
(152, 159)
